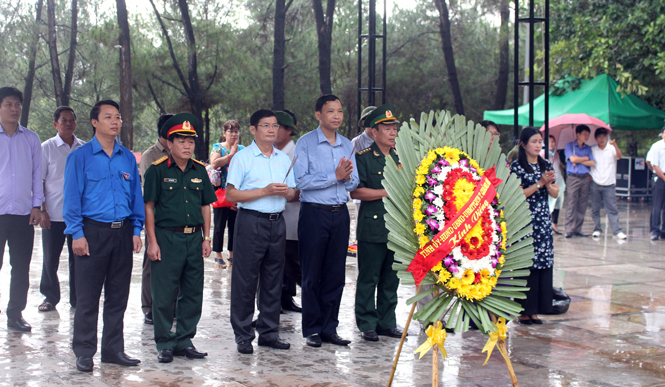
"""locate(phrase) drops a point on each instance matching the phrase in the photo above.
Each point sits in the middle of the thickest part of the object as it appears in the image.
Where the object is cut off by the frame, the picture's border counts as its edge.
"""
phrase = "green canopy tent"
(596, 97)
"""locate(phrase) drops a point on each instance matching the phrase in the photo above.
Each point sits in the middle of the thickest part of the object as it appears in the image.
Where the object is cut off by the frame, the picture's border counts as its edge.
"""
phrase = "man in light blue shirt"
(325, 173)
(579, 161)
(259, 180)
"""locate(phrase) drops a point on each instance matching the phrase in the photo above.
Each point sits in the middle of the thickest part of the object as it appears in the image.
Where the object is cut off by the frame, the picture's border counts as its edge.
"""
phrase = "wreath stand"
(435, 352)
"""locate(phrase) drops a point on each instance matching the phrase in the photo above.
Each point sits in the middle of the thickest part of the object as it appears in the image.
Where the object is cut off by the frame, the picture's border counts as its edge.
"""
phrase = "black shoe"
(246, 347)
(557, 232)
(190, 352)
(314, 340)
(84, 363)
(254, 322)
(569, 235)
(120, 358)
(526, 321)
(19, 324)
(165, 356)
(395, 332)
(147, 318)
(536, 321)
(369, 335)
(334, 339)
(292, 306)
(655, 236)
(275, 343)
(580, 234)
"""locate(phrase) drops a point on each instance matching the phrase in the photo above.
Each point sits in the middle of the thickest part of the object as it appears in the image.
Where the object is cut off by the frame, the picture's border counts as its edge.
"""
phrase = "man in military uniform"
(375, 272)
(177, 195)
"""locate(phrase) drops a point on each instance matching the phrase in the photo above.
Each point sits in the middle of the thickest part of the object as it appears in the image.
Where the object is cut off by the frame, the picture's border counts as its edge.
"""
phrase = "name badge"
(197, 181)
(170, 180)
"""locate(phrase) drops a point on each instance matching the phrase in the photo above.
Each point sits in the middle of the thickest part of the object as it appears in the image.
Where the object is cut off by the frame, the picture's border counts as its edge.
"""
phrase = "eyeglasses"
(266, 126)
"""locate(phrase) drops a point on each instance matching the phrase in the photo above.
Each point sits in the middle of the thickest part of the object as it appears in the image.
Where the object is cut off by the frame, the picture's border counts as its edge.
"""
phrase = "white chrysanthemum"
(438, 202)
(438, 190)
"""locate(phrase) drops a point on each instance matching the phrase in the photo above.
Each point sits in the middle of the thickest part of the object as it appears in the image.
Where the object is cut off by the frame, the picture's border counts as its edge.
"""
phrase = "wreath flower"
(445, 181)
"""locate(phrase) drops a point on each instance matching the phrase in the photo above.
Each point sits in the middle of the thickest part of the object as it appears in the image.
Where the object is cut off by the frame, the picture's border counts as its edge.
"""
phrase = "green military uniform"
(178, 196)
(375, 261)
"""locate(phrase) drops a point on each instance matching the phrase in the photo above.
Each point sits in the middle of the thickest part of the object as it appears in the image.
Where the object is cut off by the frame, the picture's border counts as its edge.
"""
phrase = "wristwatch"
(207, 239)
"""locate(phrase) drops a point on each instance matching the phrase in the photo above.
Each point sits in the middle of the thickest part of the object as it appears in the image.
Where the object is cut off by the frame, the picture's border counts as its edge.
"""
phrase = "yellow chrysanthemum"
(484, 274)
(468, 277)
(437, 267)
(420, 229)
(452, 155)
(444, 275)
(481, 171)
(492, 281)
(423, 240)
(417, 204)
(423, 170)
(418, 215)
(418, 192)
(439, 151)
(453, 283)
(463, 191)
(502, 259)
(474, 164)
(464, 290)
(420, 179)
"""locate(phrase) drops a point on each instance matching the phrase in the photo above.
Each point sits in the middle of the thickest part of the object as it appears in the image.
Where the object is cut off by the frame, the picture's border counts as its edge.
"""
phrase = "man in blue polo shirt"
(104, 213)
(259, 180)
(325, 174)
(579, 162)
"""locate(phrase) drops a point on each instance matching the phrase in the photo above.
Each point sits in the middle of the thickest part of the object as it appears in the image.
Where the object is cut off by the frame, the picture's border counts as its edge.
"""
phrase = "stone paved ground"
(613, 335)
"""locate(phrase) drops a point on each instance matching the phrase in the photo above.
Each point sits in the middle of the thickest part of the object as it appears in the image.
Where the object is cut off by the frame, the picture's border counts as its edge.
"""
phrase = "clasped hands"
(344, 169)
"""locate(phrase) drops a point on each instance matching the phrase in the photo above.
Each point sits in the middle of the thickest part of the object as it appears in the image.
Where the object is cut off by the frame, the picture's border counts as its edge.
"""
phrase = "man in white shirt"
(603, 184)
(54, 156)
(656, 158)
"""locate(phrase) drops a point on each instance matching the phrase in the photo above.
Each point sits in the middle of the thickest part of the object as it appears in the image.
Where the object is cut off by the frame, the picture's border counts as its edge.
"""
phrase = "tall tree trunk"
(53, 51)
(195, 95)
(126, 100)
(30, 78)
(69, 73)
(447, 46)
(324, 24)
(279, 53)
(504, 58)
(206, 134)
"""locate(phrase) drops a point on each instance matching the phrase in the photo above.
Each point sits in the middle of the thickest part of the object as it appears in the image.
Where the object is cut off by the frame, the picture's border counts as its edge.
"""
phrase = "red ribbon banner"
(444, 242)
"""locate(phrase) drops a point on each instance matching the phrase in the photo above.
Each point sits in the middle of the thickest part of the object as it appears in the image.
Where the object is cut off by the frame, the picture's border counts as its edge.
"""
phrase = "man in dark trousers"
(292, 274)
(178, 194)
(21, 196)
(260, 182)
(104, 213)
(152, 154)
(579, 162)
(325, 175)
(54, 157)
(375, 261)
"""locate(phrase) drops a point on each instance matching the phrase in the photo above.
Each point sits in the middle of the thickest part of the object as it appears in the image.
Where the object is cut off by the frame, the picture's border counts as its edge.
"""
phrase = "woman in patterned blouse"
(538, 182)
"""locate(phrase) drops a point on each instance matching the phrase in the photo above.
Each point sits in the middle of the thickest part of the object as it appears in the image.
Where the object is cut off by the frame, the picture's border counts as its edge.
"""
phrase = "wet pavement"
(613, 334)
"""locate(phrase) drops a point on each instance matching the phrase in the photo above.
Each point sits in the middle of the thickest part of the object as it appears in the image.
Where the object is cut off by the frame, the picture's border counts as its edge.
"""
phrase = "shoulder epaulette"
(199, 162)
(160, 160)
(362, 152)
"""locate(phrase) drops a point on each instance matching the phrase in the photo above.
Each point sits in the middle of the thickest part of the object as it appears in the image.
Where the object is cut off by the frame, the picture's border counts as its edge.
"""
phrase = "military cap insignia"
(389, 114)
(186, 125)
(160, 160)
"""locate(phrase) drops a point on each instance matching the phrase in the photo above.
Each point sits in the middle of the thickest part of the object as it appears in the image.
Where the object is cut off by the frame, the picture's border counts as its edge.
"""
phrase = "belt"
(269, 216)
(186, 230)
(579, 174)
(104, 224)
(328, 207)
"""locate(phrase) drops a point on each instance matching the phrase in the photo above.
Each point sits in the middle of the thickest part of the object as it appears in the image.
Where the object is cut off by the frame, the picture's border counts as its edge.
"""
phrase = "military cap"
(382, 115)
(364, 115)
(284, 118)
(183, 124)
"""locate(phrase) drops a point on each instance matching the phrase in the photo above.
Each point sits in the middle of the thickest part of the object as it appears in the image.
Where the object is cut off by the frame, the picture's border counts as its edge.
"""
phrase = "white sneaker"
(596, 234)
(621, 235)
